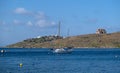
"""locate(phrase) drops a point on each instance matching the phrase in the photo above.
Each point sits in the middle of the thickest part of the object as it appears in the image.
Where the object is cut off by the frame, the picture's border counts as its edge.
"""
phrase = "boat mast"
(59, 32)
(59, 28)
(68, 33)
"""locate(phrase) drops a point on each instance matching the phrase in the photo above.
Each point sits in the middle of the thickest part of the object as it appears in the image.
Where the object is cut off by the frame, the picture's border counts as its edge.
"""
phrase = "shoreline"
(73, 48)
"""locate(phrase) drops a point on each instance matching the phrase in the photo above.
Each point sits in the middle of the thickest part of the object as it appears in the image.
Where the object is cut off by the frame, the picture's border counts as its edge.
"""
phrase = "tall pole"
(68, 33)
(59, 28)
(59, 31)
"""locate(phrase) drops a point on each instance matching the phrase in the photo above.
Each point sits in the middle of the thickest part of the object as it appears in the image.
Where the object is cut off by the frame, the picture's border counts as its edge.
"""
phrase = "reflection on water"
(44, 61)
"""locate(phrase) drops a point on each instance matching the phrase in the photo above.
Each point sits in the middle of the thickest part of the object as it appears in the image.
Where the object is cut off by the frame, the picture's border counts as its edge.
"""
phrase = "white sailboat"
(61, 50)
(2, 51)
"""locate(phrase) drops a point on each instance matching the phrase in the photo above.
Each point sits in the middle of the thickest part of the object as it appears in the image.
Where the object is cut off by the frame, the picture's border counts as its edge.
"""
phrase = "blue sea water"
(44, 61)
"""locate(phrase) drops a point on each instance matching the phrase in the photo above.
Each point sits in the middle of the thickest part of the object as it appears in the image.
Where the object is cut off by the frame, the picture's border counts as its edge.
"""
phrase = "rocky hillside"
(90, 40)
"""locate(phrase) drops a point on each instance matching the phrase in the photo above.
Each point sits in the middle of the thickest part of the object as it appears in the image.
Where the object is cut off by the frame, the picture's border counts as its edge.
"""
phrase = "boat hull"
(62, 50)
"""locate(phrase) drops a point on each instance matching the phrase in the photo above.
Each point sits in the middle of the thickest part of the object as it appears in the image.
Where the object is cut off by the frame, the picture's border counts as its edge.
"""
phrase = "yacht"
(62, 50)
(2, 51)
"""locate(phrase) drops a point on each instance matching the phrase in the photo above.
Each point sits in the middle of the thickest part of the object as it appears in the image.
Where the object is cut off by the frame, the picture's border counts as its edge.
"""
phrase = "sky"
(24, 19)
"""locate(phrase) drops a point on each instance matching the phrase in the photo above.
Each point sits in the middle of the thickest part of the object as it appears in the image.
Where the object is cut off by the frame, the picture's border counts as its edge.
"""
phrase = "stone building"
(101, 31)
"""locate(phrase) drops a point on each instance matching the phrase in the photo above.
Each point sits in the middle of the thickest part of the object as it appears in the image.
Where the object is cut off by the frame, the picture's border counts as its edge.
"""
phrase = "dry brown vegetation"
(111, 40)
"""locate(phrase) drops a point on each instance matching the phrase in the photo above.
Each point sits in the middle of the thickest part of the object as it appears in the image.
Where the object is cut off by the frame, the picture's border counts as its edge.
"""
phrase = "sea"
(39, 60)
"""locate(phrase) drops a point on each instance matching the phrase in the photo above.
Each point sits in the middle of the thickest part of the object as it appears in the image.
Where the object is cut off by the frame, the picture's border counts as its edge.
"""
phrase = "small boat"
(2, 51)
(59, 50)
(62, 50)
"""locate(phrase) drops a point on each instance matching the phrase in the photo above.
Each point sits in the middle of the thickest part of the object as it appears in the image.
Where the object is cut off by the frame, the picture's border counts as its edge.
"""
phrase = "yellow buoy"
(20, 64)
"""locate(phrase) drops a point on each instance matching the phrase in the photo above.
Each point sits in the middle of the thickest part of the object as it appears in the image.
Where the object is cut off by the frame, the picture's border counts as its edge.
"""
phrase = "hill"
(111, 40)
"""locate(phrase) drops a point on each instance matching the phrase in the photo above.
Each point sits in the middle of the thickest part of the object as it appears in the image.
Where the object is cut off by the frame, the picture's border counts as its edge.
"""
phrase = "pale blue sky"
(22, 19)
